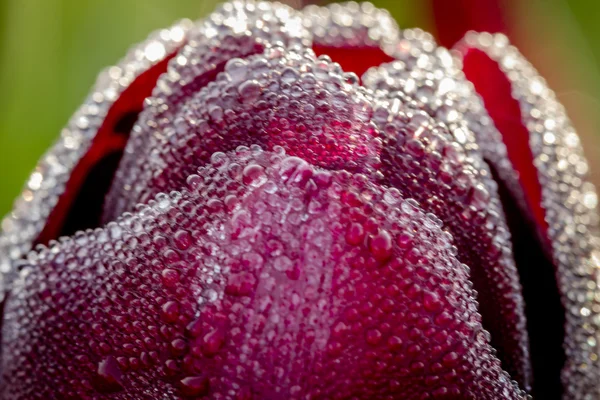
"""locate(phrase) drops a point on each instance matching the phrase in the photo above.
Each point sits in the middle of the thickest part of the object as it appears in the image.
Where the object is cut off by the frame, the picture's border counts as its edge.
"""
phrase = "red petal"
(424, 161)
(358, 46)
(279, 98)
(495, 89)
(453, 19)
(236, 29)
(545, 149)
(62, 194)
(264, 277)
(442, 167)
(67, 217)
(354, 59)
(269, 81)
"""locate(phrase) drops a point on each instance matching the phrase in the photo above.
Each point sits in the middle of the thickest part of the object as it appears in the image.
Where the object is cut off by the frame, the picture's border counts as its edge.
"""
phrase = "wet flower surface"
(235, 214)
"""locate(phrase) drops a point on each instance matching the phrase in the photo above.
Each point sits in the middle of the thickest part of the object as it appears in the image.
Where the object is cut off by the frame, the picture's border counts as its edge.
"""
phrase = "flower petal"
(262, 277)
(427, 77)
(568, 200)
(278, 83)
(282, 97)
(352, 34)
(236, 29)
(441, 165)
(455, 18)
(92, 133)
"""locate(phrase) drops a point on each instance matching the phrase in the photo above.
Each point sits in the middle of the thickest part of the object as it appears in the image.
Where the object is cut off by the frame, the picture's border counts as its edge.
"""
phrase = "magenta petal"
(236, 29)
(562, 202)
(365, 254)
(264, 277)
(287, 98)
(355, 35)
(440, 165)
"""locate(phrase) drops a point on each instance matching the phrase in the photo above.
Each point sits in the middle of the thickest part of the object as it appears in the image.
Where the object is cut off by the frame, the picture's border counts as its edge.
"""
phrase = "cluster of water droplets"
(282, 97)
(350, 25)
(429, 78)
(569, 201)
(263, 276)
(324, 267)
(236, 29)
(423, 159)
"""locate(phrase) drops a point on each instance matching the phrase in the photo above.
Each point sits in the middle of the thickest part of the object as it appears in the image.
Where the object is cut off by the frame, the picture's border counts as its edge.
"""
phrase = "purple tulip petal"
(354, 35)
(561, 204)
(236, 29)
(365, 254)
(263, 277)
(283, 97)
(432, 153)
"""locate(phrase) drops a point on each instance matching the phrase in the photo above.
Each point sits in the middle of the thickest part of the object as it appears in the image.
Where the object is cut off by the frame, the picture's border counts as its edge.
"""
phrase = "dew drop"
(479, 197)
(241, 284)
(295, 390)
(237, 69)
(432, 302)
(381, 245)
(212, 342)
(394, 343)
(451, 359)
(249, 91)
(194, 328)
(170, 277)
(109, 376)
(404, 240)
(295, 170)
(373, 336)
(289, 75)
(182, 240)
(170, 311)
(254, 175)
(355, 234)
(178, 346)
(282, 264)
(194, 386)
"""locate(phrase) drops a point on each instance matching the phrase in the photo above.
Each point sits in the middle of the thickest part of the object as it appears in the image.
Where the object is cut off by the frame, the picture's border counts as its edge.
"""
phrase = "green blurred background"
(51, 51)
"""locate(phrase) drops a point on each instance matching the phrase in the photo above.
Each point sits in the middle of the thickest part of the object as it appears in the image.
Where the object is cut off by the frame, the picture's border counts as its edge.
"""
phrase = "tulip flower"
(280, 204)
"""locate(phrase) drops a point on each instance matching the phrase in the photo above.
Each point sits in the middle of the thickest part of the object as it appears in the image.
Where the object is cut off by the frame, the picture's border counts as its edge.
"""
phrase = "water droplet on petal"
(241, 284)
(282, 263)
(249, 91)
(355, 234)
(373, 336)
(381, 245)
(170, 311)
(194, 386)
(212, 342)
(432, 302)
(182, 239)
(109, 376)
(170, 277)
